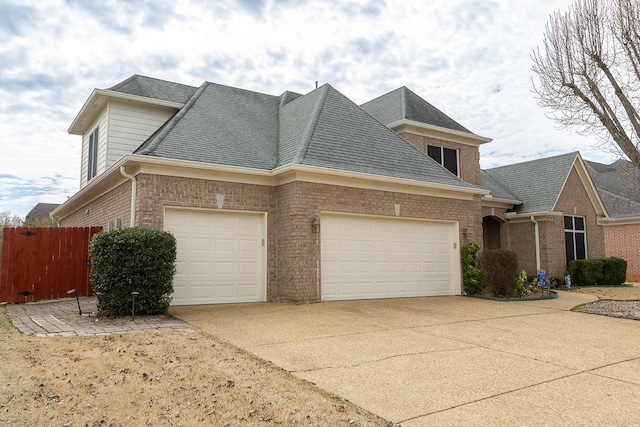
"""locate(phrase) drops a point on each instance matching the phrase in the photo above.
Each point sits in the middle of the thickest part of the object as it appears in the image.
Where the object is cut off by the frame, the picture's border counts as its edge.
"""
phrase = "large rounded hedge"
(133, 260)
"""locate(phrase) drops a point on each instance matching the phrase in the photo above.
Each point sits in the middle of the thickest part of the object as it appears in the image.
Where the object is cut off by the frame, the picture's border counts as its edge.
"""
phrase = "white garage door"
(367, 257)
(220, 256)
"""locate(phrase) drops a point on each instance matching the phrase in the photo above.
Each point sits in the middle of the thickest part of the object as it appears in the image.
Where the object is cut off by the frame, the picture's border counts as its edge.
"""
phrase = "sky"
(469, 58)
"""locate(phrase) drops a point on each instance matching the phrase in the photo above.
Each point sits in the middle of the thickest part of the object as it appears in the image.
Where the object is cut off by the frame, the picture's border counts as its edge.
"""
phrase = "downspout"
(134, 188)
(536, 231)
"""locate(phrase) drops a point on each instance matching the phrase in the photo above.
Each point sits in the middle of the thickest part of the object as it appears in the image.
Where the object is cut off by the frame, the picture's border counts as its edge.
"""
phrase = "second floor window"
(447, 157)
(92, 160)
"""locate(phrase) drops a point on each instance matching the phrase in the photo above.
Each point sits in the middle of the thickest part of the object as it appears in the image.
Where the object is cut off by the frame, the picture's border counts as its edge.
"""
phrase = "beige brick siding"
(468, 155)
(115, 204)
(293, 250)
(623, 241)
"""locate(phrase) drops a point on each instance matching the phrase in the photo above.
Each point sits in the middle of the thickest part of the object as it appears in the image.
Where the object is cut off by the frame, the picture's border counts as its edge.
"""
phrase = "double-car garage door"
(373, 257)
(222, 257)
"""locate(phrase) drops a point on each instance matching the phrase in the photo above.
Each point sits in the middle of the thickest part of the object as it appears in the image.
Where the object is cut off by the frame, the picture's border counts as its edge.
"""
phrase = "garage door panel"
(365, 257)
(219, 257)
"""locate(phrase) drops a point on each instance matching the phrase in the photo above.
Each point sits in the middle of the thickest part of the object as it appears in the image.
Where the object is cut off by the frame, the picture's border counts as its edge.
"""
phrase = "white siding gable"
(123, 127)
(102, 124)
(131, 124)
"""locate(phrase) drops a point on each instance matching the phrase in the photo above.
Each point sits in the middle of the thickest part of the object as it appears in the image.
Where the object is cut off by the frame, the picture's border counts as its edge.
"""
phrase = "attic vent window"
(92, 158)
(447, 157)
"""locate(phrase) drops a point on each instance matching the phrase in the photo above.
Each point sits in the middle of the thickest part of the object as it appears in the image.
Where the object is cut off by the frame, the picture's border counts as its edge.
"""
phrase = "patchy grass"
(5, 323)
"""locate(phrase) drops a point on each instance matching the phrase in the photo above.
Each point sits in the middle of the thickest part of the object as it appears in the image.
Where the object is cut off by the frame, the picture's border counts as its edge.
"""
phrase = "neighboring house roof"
(537, 183)
(619, 187)
(235, 127)
(40, 211)
(155, 88)
(403, 104)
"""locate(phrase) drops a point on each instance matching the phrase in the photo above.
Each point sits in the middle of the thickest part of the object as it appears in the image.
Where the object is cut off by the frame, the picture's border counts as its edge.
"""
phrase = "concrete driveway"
(449, 360)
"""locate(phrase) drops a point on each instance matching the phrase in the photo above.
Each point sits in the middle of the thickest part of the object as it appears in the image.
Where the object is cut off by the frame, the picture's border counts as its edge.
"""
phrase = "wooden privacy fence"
(45, 263)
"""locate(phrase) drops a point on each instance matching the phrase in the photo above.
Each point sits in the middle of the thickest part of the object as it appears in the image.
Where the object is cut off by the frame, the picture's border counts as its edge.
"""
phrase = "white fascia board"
(608, 221)
(497, 202)
(526, 217)
(137, 164)
(587, 183)
(77, 128)
(365, 180)
(439, 132)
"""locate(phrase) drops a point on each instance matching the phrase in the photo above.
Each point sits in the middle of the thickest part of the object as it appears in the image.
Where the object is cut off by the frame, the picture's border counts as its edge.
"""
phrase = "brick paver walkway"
(61, 317)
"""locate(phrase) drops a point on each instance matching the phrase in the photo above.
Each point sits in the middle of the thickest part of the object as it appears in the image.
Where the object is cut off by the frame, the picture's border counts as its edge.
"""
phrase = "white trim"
(283, 175)
(79, 124)
(424, 129)
(588, 185)
(495, 202)
(608, 222)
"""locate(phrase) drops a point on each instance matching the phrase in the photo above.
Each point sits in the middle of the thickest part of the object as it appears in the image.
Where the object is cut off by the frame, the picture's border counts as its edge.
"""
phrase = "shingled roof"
(236, 127)
(155, 88)
(537, 183)
(403, 104)
(619, 187)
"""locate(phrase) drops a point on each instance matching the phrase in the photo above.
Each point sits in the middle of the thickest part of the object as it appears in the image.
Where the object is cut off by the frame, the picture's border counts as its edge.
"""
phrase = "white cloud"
(468, 58)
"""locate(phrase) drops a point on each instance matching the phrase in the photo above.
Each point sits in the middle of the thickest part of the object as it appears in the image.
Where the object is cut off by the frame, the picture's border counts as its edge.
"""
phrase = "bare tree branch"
(588, 71)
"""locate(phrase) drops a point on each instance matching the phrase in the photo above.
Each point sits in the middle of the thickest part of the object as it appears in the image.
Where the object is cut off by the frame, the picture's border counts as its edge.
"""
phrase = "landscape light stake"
(73, 291)
(133, 304)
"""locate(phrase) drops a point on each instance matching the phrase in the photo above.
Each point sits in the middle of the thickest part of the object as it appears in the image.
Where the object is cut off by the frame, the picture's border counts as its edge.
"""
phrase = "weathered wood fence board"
(45, 263)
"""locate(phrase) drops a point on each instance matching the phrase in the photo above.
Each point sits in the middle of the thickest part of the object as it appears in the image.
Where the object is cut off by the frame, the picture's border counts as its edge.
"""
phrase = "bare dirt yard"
(166, 378)
(173, 378)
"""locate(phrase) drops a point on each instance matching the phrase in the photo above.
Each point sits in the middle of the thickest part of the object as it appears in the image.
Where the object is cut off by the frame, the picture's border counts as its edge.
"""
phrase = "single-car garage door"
(370, 257)
(220, 256)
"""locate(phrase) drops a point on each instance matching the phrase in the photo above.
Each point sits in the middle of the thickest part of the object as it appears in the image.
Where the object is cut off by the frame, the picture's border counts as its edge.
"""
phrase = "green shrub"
(614, 271)
(586, 272)
(471, 274)
(500, 272)
(133, 259)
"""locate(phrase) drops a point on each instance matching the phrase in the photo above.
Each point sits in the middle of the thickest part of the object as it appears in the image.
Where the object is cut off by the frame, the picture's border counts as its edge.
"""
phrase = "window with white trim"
(575, 238)
(447, 157)
(92, 159)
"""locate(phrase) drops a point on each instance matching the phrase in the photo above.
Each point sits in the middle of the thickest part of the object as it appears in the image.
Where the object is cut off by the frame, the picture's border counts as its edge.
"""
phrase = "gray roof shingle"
(155, 88)
(402, 104)
(236, 127)
(537, 183)
(619, 187)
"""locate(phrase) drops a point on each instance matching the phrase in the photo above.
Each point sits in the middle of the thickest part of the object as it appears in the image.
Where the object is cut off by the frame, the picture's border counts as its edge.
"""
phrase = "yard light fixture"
(73, 291)
(315, 224)
(133, 304)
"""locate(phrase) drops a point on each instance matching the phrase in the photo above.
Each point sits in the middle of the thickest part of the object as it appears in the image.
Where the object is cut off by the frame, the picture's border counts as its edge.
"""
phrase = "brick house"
(547, 210)
(305, 198)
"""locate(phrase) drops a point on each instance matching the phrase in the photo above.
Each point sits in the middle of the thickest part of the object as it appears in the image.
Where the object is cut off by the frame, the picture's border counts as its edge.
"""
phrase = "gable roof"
(619, 186)
(403, 104)
(235, 127)
(155, 88)
(539, 183)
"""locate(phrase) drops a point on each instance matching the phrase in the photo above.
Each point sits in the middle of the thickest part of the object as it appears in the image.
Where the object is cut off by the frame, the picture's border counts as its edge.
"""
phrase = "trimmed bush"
(500, 272)
(614, 271)
(133, 259)
(471, 274)
(586, 272)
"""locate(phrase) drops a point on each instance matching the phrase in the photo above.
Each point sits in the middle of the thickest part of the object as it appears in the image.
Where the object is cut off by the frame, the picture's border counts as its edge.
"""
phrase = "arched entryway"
(491, 233)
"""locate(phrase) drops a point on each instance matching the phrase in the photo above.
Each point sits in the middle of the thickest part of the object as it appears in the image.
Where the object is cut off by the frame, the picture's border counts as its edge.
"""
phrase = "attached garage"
(220, 256)
(372, 257)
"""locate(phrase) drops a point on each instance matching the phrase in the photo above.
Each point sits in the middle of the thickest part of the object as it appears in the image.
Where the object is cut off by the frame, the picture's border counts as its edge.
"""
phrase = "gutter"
(134, 190)
(536, 231)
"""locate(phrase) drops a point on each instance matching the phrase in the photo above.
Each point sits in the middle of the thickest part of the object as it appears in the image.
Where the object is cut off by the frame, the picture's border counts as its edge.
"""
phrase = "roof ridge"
(532, 161)
(403, 102)
(308, 134)
(173, 121)
(124, 82)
